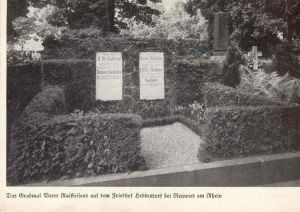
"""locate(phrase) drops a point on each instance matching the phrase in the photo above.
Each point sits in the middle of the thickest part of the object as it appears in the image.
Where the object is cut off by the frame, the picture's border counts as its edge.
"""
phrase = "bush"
(183, 85)
(190, 76)
(216, 94)
(152, 109)
(285, 89)
(284, 61)
(194, 111)
(23, 83)
(70, 48)
(230, 69)
(177, 24)
(62, 72)
(75, 146)
(46, 104)
(243, 131)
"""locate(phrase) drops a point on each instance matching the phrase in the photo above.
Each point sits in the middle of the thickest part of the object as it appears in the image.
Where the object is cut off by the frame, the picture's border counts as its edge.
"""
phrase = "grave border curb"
(243, 172)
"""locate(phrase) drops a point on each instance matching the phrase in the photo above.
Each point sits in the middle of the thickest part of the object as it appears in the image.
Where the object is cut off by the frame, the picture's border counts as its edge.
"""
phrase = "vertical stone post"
(221, 34)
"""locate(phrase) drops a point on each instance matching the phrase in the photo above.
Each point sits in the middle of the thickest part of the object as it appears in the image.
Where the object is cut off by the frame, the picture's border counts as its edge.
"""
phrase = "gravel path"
(169, 146)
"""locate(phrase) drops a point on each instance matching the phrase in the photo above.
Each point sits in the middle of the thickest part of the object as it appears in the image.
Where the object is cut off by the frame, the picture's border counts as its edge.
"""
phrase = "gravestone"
(254, 54)
(221, 34)
(109, 84)
(152, 84)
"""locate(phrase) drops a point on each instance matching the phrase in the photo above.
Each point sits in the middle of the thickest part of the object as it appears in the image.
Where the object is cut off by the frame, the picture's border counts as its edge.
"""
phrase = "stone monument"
(221, 34)
(109, 78)
(152, 84)
(254, 54)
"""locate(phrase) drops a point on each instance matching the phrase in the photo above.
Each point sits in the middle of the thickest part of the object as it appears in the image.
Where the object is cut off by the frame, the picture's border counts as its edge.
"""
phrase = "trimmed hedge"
(182, 77)
(241, 131)
(216, 94)
(78, 78)
(46, 104)
(23, 83)
(190, 76)
(41, 108)
(75, 146)
(86, 48)
(62, 72)
(184, 81)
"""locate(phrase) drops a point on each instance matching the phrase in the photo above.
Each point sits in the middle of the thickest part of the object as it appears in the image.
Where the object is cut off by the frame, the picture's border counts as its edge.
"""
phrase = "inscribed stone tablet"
(108, 76)
(152, 84)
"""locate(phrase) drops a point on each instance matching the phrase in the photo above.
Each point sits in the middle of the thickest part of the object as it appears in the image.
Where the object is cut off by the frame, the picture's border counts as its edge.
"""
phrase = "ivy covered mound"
(75, 146)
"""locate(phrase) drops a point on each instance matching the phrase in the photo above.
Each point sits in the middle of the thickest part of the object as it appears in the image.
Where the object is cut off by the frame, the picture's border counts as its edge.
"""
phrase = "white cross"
(255, 54)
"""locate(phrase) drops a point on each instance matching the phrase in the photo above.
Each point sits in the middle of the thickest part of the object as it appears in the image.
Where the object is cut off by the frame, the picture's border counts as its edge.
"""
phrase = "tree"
(292, 14)
(175, 24)
(255, 22)
(35, 25)
(15, 9)
(107, 15)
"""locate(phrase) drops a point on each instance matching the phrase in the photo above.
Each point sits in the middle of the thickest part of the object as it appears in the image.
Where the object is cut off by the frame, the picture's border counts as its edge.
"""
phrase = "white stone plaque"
(152, 83)
(109, 76)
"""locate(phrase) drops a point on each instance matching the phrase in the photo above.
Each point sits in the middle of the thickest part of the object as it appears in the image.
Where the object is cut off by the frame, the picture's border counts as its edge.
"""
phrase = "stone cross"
(221, 34)
(254, 54)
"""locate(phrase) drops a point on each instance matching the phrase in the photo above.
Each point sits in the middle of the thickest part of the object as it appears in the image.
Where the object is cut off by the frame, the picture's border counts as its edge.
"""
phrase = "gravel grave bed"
(169, 146)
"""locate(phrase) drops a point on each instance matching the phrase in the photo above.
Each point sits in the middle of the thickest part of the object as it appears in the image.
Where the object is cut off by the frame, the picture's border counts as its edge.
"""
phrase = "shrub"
(152, 109)
(23, 83)
(284, 61)
(62, 72)
(194, 111)
(75, 146)
(177, 24)
(190, 76)
(216, 94)
(230, 69)
(183, 84)
(284, 89)
(49, 102)
(70, 47)
(242, 131)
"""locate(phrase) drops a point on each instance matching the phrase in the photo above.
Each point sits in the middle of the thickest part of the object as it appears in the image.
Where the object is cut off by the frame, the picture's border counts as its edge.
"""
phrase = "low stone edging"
(229, 173)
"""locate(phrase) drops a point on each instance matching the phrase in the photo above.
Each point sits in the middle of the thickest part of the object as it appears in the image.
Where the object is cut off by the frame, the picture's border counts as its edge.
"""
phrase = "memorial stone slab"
(152, 85)
(221, 34)
(109, 84)
(254, 54)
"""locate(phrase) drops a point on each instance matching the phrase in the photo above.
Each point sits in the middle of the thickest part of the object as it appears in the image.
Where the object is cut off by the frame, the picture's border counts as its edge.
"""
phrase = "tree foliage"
(255, 22)
(35, 25)
(176, 24)
(107, 15)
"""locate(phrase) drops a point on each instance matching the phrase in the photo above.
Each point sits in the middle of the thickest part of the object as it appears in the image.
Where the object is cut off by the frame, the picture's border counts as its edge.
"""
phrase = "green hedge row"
(87, 47)
(190, 76)
(41, 108)
(240, 131)
(62, 72)
(75, 146)
(23, 83)
(46, 104)
(216, 94)
(183, 85)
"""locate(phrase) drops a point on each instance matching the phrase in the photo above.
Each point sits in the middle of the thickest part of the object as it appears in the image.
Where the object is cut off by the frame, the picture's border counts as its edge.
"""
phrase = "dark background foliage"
(253, 22)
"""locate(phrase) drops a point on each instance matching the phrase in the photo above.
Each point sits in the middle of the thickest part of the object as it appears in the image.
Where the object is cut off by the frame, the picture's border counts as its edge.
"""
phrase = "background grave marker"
(221, 34)
(254, 54)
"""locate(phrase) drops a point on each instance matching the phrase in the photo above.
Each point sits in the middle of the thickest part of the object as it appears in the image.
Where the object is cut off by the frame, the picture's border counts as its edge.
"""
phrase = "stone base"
(217, 58)
(219, 53)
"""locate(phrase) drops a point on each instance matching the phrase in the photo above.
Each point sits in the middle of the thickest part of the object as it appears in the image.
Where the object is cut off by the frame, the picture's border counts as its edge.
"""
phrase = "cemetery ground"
(118, 111)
